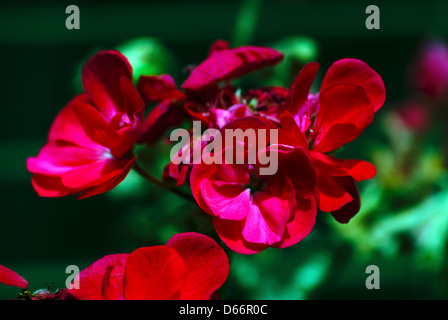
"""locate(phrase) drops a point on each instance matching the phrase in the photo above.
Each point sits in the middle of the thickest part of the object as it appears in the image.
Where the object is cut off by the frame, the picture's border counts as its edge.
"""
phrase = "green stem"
(161, 184)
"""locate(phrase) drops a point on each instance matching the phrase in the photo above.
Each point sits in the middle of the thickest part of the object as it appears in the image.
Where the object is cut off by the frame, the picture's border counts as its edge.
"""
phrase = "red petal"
(10, 278)
(301, 225)
(356, 72)
(358, 169)
(113, 283)
(132, 101)
(226, 200)
(206, 263)
(344, 112)
(290, 134)
(298, 94)
(101, 77)
(230, 231)
(93, 174)
(58, 157)
(297, 165)
(228, 64)
(48, 186)
(237, 173)
(80, 123)
(108, 185)
(332, 193)
(348, 211)
(270, 211)
(91, 279)
(154, 273)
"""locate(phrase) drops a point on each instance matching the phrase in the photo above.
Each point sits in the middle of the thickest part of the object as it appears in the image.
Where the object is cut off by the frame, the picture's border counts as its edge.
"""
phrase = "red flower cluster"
(91, 140)
(252, 212)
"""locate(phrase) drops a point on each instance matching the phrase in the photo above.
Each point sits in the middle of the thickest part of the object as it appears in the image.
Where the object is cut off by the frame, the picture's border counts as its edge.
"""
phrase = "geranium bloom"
(350, 94)
(89, 148)
(252, 211)
(190, 266)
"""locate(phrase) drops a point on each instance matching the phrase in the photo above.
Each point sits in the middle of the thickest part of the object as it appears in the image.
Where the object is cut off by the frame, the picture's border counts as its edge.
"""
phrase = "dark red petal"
(10, 278)
(217, 46)
(132, 101)
(342, 108)
(333, 193)
(52, 187)
(298, 94)
(176, 172)
(154, 273)
(228, 64)
(348, 211)
(164, 115)
(206, 263)
(301, 225)
(230, 231)
(356, 72)
(113, 283)
(155, 88)
(101, 77)
(296, 163)
(91, 279)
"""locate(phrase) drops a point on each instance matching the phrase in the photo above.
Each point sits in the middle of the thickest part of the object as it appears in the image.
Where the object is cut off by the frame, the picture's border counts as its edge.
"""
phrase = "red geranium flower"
(190, 266)
(252, 211)
(350, 94)
(89, 148)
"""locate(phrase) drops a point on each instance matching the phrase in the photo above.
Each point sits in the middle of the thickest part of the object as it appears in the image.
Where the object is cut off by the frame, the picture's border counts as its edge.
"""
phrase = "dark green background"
(39, 237)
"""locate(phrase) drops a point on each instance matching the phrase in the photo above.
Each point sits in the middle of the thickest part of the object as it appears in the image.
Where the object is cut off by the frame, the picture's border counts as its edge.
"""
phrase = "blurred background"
(403, 224)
